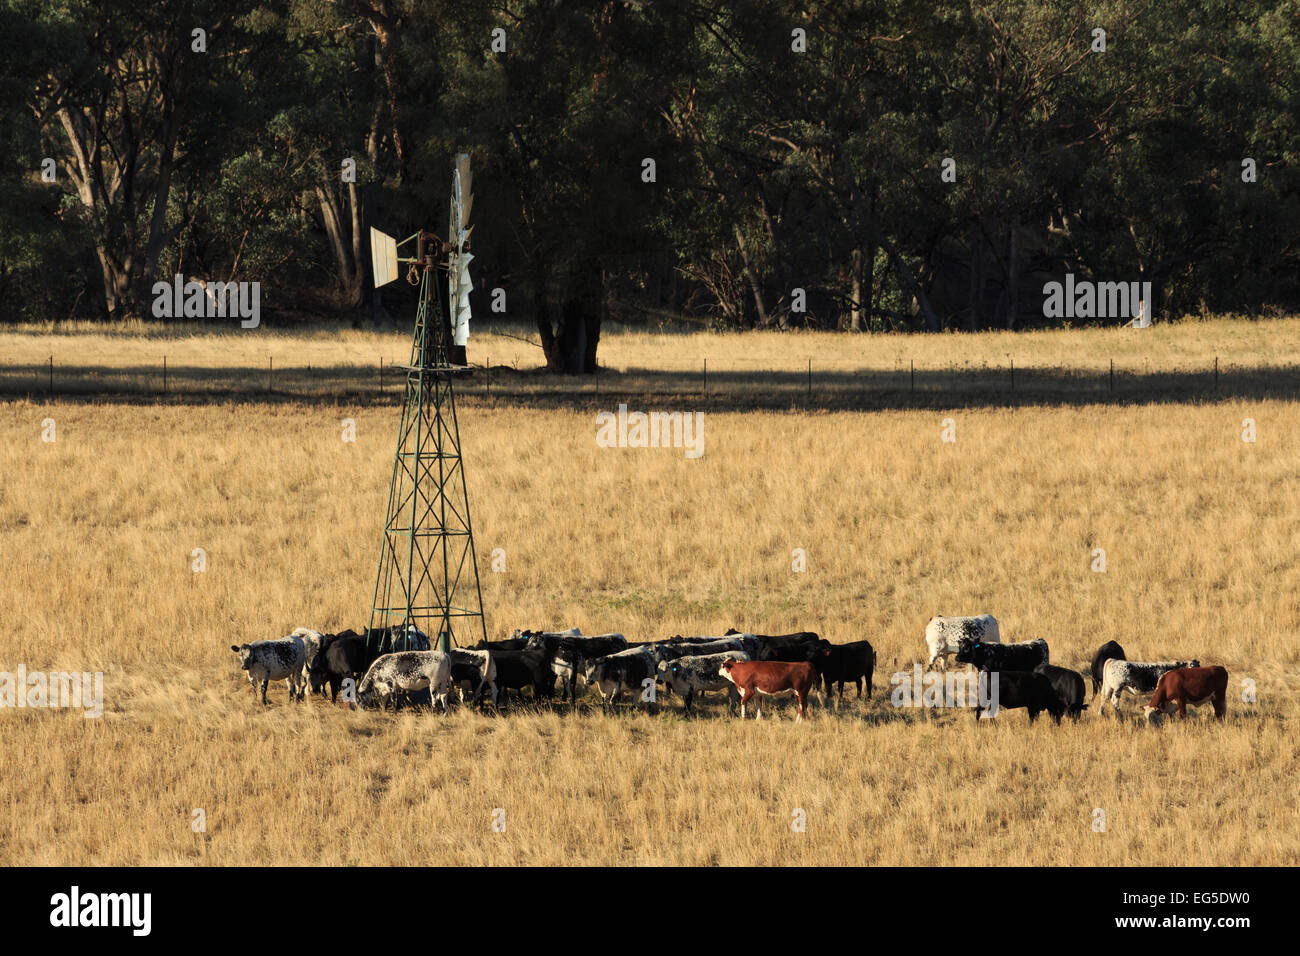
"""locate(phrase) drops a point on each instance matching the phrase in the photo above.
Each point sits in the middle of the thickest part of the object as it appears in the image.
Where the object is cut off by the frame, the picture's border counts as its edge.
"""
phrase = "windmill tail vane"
(427, 582)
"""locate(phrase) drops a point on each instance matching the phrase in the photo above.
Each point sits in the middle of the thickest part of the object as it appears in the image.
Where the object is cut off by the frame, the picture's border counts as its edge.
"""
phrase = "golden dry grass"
(1167, 361)
(1200, 531)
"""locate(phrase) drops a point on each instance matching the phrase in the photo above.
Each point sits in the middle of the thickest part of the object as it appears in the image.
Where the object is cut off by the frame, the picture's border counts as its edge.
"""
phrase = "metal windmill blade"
(459, 283)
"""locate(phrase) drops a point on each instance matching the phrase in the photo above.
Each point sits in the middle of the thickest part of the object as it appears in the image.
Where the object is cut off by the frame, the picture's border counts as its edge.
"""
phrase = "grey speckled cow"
(266, 661)
(406, 671)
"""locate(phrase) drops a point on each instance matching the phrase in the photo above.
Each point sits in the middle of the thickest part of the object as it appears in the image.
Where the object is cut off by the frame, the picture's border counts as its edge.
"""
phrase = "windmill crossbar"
(432, 368)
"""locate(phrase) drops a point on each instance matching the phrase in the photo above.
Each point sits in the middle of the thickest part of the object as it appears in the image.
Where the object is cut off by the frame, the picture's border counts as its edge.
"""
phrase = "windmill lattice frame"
(428, 566)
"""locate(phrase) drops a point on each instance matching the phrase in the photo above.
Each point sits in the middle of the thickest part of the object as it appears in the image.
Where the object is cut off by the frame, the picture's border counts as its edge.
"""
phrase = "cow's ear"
(235, 648)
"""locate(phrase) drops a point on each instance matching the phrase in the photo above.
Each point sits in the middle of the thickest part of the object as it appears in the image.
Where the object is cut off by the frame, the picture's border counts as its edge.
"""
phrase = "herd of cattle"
(382, 666)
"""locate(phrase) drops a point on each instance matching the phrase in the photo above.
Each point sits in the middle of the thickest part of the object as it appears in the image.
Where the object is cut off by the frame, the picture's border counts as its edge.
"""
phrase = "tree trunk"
(345, 247)
(594, 318)
(1013, 274)
(755, 289)
(855, 291)
(908, 280)
(570, 349)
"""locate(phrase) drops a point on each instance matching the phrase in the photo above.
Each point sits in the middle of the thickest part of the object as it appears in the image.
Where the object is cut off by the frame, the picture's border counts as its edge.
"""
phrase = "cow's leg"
(1182, 706)
(1220, 706)
(1032, 714)
(687, 698)
(803, 704)
(265, 682)
(744, 699)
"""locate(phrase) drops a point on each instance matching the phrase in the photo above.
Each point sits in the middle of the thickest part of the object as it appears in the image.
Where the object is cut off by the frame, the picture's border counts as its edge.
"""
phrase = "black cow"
(508, 644)
(577, 648)
(1110, 651)
(519, 669)
(476, 667)
(790, 648)
(1068, 685)
(1024, 656)
(1028, 689)
(342, 656)
(626, 670)
(837, 663)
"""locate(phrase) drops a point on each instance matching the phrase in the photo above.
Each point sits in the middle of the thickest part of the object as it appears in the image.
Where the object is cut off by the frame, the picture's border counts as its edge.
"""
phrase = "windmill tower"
(427, 584)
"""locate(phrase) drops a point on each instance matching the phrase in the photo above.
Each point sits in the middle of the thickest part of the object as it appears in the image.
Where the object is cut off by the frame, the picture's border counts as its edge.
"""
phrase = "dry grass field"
(1255, 359)
(1200, 531)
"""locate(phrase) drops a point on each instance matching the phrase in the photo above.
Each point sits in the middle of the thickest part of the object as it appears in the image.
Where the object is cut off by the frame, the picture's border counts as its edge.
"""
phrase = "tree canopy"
(862, 165)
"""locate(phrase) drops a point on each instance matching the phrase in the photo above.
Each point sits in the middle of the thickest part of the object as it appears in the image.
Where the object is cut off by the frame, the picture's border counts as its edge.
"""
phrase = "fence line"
(1058, 380)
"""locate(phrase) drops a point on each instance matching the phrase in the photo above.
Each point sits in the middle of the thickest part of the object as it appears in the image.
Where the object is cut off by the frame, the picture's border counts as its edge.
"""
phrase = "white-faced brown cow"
(771, 678)
(1190, 685)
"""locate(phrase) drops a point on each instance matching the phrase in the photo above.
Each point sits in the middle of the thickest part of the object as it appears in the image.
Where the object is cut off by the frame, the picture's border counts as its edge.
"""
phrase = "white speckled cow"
(406, 671)
(691, 675)
(311, 643)
(266, 661)
(1136, 677)
(943, 635)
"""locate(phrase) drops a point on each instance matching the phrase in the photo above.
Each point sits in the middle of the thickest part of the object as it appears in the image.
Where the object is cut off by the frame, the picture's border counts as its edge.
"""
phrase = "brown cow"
(769, 677)
(1190, 685)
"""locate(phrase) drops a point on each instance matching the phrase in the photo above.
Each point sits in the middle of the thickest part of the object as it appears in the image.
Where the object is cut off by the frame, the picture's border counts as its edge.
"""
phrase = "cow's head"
(730, 631)
(317, 672)
(724, 670)
(245, 653)
(1153, 715)
(966, 649)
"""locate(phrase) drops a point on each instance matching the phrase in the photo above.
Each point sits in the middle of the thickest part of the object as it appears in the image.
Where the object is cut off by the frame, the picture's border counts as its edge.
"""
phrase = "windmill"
(427, 583)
